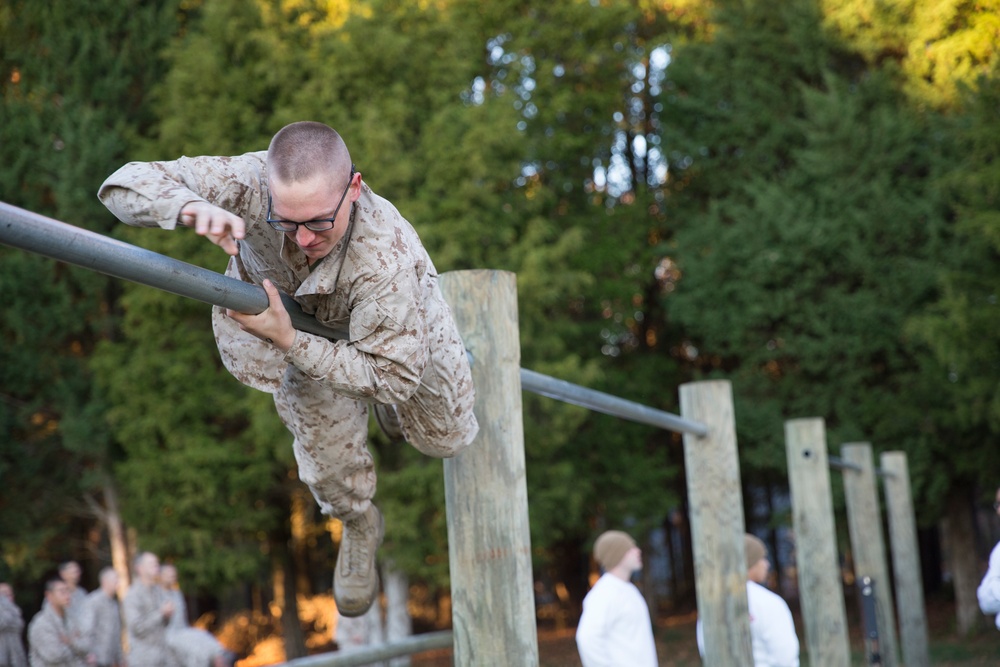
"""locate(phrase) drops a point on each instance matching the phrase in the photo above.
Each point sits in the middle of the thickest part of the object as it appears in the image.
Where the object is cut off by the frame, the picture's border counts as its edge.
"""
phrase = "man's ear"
(355, 186)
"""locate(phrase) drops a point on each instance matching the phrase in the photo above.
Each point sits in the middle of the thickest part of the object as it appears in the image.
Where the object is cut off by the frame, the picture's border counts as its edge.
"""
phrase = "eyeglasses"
(318, 225)
(996, 504)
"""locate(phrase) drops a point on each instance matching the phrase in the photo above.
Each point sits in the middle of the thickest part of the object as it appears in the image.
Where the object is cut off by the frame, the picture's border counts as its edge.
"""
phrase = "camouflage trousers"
(331, 434)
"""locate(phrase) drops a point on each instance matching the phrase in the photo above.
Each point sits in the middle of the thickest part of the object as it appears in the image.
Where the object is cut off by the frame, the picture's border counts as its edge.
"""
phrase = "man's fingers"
(273, 296)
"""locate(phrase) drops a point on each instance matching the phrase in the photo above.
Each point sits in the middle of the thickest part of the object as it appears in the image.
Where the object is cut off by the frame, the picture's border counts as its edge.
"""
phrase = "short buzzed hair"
(52, 582)
(301, 150)
(139, 558)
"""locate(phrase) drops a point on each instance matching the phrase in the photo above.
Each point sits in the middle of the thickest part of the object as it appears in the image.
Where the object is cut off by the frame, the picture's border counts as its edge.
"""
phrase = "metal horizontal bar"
(366, 655)
(841, 464)
(50, 238)
(551, 387)
(57, 240)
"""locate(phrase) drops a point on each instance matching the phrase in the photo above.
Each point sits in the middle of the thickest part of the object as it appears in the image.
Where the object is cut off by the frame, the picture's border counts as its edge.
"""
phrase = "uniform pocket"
(366, 319)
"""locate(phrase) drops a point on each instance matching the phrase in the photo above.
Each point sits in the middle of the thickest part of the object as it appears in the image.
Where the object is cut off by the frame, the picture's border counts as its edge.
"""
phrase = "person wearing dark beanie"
(615, 628)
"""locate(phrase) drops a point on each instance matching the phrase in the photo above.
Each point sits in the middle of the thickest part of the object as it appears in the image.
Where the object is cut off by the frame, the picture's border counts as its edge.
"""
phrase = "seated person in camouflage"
(300, 219)
(192, 647)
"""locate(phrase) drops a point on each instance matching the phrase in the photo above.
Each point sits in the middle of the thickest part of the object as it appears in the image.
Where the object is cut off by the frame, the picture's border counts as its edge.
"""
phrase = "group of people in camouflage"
(77, 629)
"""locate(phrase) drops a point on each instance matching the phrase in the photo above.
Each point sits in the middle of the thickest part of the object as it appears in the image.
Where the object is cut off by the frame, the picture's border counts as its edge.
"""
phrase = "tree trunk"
(116, 536)
(283, 573)
(397, 618)
(960, 542)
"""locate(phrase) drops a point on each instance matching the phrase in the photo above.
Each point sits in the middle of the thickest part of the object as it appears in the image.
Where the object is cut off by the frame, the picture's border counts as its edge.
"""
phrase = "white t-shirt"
(615, 630)
(989, 588)
(772, 630)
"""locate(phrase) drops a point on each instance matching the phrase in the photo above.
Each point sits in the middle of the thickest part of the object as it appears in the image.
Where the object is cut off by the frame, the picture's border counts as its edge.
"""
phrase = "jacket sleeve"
(48, 643)
(10, 616)
(140, 621)
(152, 194)
(387, 350)
(591, 641)
(85, 622)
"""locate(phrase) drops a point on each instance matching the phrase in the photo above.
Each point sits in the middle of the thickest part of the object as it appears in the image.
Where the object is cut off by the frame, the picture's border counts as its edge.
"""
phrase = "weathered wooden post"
(864, 518)
(717, 525)
(905, 560)
(820, 587)
(489, 543)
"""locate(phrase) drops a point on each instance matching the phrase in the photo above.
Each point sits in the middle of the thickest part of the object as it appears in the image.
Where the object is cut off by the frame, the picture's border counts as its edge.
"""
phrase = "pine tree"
(69, 76)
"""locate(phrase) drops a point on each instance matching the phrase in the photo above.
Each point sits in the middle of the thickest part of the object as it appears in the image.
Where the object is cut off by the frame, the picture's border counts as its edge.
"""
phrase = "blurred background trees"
(800, 197)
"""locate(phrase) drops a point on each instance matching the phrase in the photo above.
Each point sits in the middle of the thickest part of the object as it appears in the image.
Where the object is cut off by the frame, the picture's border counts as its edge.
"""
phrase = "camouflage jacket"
(51, 643)
(147, 628)
(381, 288)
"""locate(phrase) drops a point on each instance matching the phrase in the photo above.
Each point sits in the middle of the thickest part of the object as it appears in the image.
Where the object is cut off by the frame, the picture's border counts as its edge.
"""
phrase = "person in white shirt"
(772, 630)
(989, 588)
(615, 629)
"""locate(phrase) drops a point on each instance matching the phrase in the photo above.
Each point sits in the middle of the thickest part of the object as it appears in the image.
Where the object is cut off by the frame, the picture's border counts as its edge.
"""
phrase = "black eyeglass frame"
(317, 225)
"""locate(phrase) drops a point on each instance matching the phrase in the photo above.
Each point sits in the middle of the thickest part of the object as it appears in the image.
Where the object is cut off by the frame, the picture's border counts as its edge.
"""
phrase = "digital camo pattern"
(403, 347)
(147, 628)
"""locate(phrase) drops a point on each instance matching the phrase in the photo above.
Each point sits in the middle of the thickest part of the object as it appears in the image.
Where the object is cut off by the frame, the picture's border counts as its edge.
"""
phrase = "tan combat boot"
(355, 580)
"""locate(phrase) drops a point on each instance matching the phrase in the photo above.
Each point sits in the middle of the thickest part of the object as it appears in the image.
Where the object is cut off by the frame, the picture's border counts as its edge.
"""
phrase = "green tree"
(70, 74)
(961, 329)
(809, 232)
(936, 46)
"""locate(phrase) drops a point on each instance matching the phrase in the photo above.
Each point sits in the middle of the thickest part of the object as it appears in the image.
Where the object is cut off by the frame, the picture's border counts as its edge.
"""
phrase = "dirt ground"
(675, 642)
(676, 646)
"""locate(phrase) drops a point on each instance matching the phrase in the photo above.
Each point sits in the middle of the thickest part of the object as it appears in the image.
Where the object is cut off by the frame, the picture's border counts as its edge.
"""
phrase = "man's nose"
(304, 235)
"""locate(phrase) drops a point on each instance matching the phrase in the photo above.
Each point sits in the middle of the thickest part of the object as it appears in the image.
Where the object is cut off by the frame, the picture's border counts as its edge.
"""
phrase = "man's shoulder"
(611, 585)
(379, 215)
(764, 595)
(137, 589)
(45, 616)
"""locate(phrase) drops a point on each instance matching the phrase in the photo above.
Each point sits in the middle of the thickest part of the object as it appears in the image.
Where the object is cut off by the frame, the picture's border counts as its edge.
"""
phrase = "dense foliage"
(781, 195)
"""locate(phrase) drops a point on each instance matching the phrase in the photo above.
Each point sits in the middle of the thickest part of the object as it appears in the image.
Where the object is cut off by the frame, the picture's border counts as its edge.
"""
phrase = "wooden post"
(820, 582)
(905, 560)
(864, 518)
(489, 543)
(717, 525)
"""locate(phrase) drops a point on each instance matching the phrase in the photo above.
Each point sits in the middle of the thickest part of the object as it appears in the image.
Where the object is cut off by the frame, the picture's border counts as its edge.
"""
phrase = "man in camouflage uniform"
(101, 621)
(49, 636)
(11, 624)
(299, 219)
(192, 647)
(147, 614)
(70, 572)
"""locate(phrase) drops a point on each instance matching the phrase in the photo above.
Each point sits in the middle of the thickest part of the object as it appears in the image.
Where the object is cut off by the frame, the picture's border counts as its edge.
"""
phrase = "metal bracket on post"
(869, 620)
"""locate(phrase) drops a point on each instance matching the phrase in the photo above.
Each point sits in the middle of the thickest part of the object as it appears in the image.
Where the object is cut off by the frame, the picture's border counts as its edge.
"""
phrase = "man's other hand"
(220, 226)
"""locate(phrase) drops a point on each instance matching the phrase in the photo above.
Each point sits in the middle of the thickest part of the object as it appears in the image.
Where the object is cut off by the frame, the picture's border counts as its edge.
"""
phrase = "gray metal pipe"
(545, 385)
(44, 236)
(366, 655)
(841, 464)
(41, 235)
